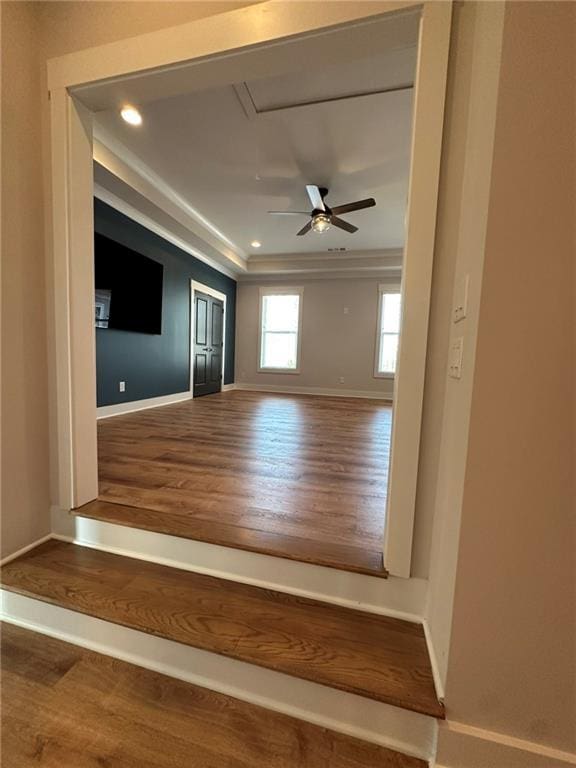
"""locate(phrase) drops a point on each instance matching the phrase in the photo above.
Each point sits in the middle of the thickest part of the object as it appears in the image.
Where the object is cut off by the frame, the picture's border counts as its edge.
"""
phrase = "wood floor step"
(378, 657)
(58, 692)
(212, 531)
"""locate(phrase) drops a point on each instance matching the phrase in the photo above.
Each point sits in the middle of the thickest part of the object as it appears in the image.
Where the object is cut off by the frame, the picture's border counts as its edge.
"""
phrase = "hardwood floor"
(295, 476)
(66, 707)
(374, 656)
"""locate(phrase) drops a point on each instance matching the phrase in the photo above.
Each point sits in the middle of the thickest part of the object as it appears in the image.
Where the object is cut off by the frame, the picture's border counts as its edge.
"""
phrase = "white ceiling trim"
(314, 102)
(244, 97)
(124, 164)
(146, 221)
(393, 276)
(393, 255)
(385, 263)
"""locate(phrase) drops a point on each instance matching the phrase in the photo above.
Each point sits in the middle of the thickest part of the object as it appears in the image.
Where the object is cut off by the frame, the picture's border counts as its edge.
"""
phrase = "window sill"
(279, 370)
(384, 375)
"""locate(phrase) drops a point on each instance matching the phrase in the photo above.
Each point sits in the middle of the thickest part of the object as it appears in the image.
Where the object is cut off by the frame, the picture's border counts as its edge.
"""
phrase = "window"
(280, 320)
(388, 330)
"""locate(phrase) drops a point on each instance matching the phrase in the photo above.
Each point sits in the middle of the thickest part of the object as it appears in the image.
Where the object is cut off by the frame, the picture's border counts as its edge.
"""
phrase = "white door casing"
(176, 60)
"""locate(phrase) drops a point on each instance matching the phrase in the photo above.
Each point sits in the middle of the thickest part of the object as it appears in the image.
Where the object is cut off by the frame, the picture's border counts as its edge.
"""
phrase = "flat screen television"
(128, 288)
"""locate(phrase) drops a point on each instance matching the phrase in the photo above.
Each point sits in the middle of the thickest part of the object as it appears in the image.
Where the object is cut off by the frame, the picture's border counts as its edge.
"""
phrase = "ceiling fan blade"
(306, 228)
(343, 224)
(357, 206)
(290, 213)
(315, 197)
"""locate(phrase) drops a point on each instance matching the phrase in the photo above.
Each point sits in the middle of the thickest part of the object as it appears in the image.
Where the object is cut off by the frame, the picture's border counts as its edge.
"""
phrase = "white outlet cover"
(455, 362)
(461, 299)
(122, 386)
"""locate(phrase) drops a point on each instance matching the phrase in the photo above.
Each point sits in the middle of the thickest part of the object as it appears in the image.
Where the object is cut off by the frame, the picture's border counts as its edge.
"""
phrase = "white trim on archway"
(223, 49)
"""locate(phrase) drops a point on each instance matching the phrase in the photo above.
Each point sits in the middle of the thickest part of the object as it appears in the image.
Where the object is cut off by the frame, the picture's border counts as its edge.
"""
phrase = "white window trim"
(280, 291)
(383, 289)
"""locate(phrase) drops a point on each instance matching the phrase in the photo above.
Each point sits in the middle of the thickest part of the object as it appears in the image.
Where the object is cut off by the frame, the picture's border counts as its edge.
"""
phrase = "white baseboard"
(466, 746)
(105, 411)
(322, 391)
(438, 681)
(399, 729)
(398, 598)
(228, 387)
(23, 550)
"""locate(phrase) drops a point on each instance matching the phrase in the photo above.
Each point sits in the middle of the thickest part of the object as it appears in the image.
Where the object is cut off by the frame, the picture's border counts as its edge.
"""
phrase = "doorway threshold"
(330, 555)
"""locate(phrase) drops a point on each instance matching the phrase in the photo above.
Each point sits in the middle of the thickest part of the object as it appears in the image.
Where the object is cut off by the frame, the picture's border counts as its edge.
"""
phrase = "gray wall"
(334, 344)
(156, 365)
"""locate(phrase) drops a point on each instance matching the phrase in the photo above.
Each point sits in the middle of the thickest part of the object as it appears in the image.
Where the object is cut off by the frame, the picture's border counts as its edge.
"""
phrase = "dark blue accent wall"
(152, 365)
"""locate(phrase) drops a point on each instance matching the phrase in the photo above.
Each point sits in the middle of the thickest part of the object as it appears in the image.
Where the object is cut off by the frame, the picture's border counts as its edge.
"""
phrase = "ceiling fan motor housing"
(322, 216)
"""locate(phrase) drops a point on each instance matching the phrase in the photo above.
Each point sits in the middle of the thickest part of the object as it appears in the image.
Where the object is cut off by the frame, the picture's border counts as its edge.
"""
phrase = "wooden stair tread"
(332, 555)
(57, 692)
(378, 657)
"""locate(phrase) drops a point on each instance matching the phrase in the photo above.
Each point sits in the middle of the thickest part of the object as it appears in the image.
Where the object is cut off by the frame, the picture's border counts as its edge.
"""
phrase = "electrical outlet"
(341, 380)
(346, 311)
(455, 364)
(122, 386)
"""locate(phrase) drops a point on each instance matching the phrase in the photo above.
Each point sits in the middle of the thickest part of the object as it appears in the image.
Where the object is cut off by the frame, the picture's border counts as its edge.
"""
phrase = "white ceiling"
(232, 163)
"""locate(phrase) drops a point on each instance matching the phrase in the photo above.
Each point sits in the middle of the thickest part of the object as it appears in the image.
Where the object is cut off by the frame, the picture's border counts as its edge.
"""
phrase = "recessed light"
(131, 115)
(256, 244)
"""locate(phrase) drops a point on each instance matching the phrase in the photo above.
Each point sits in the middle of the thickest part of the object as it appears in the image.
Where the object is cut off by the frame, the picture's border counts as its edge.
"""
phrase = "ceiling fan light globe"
(320, 223)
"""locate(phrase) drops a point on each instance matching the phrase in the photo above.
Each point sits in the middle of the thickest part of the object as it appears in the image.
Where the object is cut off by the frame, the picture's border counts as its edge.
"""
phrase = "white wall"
(334, 344)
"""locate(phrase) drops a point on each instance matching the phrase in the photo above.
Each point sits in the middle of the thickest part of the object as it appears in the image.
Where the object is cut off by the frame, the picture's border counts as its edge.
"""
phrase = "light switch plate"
(461, 300)
(455, 364)
(122, 386)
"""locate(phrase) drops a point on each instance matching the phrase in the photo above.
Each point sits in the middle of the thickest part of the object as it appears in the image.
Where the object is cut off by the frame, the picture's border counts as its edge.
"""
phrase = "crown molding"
(326, 274)
(129, 185)
(123, 164)
(385, 254)
(152, 224)
(384, 263)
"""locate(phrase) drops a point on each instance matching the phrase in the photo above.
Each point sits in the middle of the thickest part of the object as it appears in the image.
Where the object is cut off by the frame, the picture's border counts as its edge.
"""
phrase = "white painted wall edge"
(372, 721)
(506, 750)
(323, 391)
(438, 682)
(398, 598)
(105, 411)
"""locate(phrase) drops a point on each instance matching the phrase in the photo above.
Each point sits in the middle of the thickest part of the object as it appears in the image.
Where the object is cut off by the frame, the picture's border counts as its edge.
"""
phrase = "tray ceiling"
(232, 159)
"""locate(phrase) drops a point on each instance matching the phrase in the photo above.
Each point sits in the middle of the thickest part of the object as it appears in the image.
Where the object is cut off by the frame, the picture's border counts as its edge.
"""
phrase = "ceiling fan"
(322, 216)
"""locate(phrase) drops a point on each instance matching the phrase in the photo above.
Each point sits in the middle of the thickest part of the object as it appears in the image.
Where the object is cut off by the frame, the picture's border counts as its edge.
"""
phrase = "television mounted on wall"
(128, 288)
